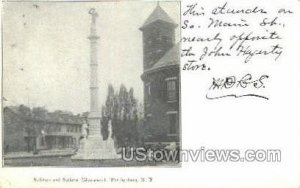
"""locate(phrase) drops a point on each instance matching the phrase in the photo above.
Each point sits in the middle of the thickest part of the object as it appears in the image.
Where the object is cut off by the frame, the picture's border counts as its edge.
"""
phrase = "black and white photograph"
(150, 94)
(91, 84)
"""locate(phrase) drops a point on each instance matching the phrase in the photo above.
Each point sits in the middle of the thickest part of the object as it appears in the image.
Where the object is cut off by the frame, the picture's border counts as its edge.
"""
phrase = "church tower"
(161, 78)
(158, 36)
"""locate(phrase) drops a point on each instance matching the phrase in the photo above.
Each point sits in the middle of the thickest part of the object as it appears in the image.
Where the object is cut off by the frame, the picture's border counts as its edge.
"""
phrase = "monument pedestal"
(94, 147)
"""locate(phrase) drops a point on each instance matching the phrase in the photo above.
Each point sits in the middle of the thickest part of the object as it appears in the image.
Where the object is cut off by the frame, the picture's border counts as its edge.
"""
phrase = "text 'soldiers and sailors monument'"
(161, 77)
(94, 147)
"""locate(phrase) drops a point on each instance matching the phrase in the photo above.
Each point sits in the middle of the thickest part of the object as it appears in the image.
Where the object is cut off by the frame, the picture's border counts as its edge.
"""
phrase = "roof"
(49, 117)
(172, 57)
(158, 14)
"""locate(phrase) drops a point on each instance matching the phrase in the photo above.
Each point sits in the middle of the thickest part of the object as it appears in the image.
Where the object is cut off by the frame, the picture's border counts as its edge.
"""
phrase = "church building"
(161, 78)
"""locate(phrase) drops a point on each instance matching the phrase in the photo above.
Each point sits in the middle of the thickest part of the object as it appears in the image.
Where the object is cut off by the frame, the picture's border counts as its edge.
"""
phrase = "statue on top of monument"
(94, 14)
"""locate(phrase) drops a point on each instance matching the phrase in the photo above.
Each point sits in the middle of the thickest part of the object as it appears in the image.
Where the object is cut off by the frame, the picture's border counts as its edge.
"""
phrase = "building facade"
(24, 131)
(161, 78)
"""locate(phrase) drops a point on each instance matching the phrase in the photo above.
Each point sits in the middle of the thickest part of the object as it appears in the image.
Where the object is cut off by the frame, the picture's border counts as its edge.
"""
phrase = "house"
(32, 130)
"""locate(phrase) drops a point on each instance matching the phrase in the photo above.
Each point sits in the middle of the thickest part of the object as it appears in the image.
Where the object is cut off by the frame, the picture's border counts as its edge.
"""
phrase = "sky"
(46, 51)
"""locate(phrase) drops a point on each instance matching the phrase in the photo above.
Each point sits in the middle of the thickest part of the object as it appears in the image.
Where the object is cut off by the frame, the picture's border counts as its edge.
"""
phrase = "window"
(172, 123)
(148, 123)
(70, 141)
(147, 92)
(42, 141)
(171, 89)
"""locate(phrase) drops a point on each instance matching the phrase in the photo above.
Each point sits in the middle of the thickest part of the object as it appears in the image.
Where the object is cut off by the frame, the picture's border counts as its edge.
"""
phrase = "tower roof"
(172, 57)
(158, 14)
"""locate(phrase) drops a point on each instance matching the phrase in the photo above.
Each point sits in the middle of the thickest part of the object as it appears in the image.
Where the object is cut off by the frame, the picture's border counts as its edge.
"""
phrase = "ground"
(66, 161)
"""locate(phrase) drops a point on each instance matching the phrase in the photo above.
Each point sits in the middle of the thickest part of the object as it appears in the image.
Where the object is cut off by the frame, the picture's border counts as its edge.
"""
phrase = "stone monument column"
(94, 147)
(94, 115)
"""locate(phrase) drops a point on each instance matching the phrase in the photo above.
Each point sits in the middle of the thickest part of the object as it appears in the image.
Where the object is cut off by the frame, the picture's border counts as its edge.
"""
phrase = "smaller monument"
(84, 133)
(110, 144)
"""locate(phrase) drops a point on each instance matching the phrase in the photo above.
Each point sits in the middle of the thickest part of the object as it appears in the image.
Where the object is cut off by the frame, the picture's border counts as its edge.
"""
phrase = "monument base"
(94, 148)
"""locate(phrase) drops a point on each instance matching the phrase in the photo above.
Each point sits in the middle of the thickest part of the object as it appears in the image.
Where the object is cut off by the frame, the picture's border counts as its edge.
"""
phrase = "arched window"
(172, 89)
(147, 92)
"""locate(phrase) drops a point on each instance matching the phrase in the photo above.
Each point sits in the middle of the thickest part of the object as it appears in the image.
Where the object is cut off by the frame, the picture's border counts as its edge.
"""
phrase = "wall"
(157, 121)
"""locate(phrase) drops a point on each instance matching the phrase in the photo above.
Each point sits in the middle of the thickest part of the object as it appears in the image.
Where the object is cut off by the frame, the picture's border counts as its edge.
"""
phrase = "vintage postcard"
(97, 87)
(191, 93)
